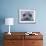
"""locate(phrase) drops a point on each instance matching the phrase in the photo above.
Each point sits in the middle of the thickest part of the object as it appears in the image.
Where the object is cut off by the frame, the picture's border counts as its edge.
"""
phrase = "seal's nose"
(27, 18)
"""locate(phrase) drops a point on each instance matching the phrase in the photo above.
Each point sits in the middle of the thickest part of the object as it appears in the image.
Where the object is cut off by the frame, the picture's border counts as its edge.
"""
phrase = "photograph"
(26, 16)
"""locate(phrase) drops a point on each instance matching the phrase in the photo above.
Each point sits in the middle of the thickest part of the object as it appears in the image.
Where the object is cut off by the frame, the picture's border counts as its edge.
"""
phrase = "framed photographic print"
(27, 16)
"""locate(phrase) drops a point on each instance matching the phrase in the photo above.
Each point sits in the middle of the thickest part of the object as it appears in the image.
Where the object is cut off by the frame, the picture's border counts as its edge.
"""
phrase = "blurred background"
(10, 8)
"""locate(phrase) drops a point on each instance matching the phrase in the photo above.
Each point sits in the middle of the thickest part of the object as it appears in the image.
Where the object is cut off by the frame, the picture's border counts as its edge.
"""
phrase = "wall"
(10, 8)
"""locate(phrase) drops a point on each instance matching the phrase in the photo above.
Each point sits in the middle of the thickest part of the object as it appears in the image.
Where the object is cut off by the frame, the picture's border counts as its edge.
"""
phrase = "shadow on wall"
(2, 21)
(1, 39)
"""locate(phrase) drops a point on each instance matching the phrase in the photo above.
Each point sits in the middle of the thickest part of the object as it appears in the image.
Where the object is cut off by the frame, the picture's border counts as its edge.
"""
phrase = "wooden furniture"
(20, 39)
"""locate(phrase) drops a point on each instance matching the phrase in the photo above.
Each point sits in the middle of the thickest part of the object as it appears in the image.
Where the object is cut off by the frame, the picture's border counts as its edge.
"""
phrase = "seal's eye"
(30, 15)
(24, 15)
